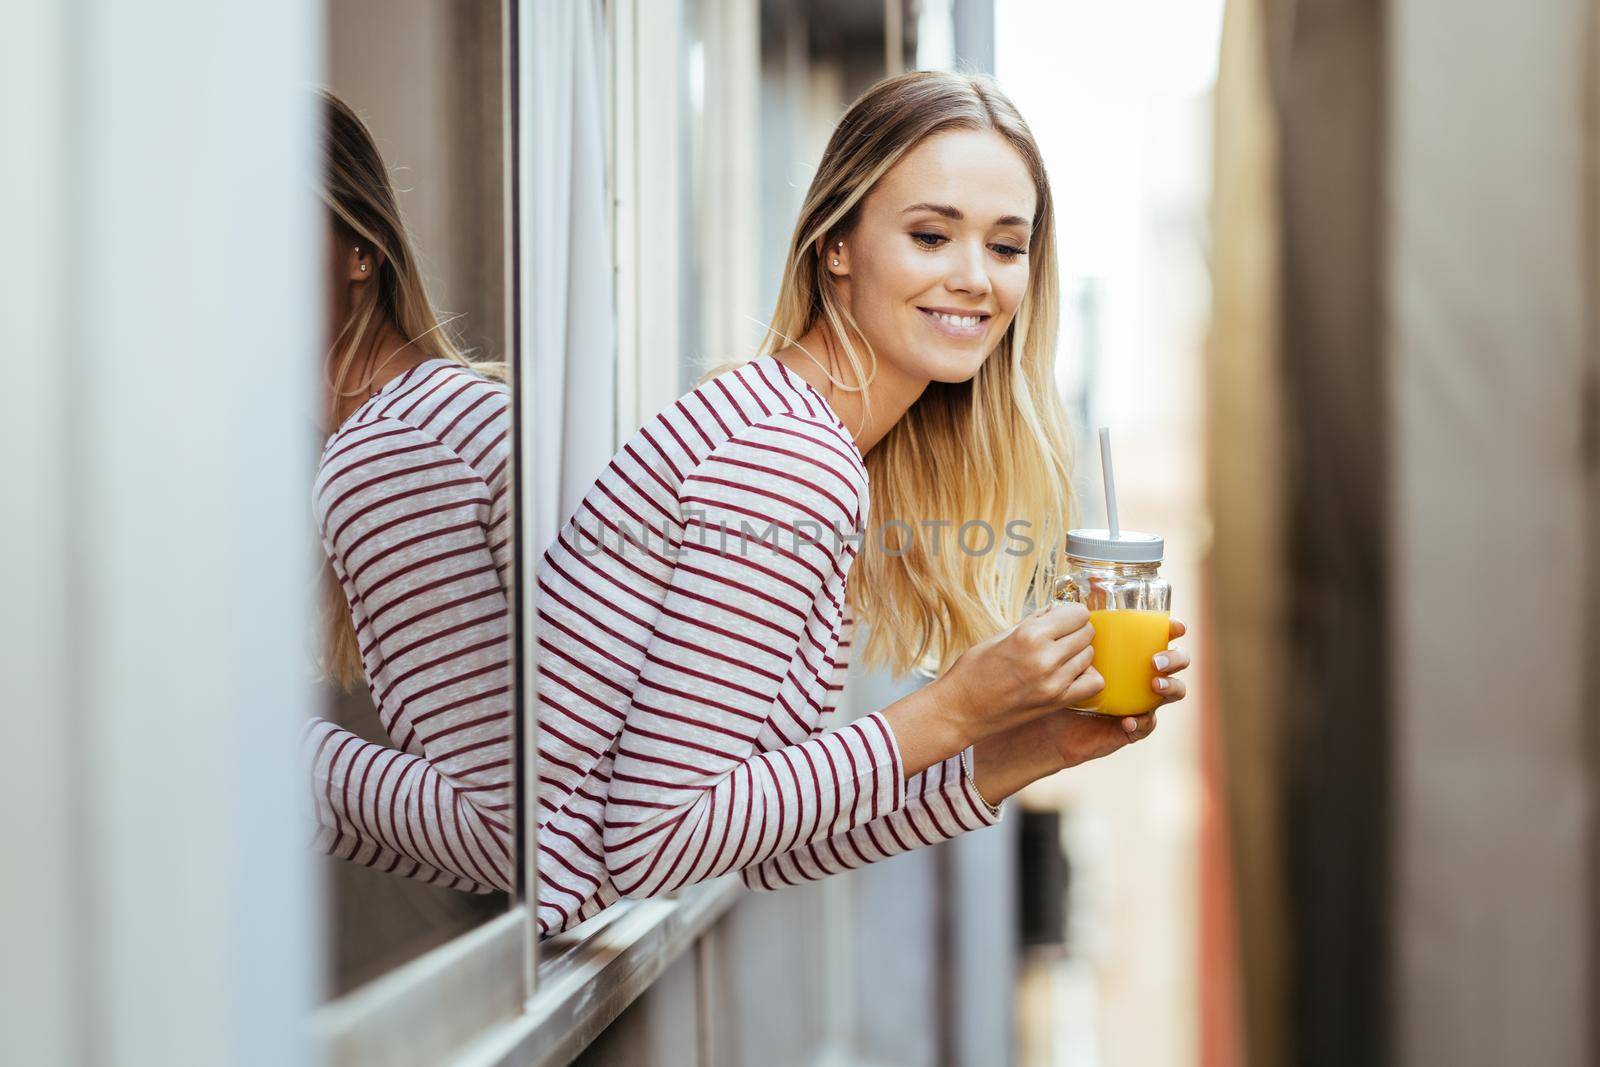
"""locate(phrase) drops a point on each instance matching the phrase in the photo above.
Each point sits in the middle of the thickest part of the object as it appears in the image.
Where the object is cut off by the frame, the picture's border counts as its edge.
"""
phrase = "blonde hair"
(993, 449)
(361, 202)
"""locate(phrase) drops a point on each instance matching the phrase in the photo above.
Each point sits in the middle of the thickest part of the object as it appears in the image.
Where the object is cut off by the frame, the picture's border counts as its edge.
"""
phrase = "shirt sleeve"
(940, 804)
(406, 523)
(735, 649)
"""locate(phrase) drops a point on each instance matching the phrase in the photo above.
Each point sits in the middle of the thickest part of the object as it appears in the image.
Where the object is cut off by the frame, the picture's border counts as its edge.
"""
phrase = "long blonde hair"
(362, 204)
(993, 449)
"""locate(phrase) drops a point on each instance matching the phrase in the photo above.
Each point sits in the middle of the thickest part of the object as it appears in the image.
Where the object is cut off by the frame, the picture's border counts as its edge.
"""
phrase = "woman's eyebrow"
(954, 213)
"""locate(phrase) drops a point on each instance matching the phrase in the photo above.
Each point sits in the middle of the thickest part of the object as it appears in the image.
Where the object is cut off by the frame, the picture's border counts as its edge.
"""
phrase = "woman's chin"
(955, 365)
(950, 364)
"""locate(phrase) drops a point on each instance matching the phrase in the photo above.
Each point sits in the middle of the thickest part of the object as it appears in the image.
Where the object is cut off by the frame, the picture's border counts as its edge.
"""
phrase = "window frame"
(495, 995)
(430, 1008)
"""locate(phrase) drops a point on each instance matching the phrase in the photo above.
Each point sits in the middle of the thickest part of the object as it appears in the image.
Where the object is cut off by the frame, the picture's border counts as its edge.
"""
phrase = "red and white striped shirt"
(412, 500)
(684, 685)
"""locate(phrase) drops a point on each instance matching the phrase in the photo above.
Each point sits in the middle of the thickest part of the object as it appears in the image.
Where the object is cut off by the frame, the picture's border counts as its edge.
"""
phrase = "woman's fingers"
(1060, 619)
(1170, 660)
(1084, 685)
(1139, 727)
(1170, 688)
(1175, 628)
(1073, 667)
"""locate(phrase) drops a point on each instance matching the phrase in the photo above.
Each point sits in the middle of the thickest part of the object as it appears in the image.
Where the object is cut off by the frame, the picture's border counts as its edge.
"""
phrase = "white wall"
(156, 904)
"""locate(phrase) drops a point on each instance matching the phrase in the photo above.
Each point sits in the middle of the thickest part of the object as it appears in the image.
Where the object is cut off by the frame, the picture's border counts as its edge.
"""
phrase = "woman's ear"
(362, 262)
(836, 260)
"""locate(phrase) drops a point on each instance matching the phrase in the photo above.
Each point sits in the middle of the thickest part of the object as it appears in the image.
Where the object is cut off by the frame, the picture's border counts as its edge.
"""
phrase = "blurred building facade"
(1402, 458)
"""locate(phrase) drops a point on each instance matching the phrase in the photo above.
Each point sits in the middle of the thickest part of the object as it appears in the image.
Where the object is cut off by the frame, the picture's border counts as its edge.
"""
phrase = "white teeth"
(958, 320)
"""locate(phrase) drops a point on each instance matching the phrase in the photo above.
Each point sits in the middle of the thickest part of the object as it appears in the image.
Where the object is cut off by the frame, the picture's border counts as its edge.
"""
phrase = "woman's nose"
(969, 273)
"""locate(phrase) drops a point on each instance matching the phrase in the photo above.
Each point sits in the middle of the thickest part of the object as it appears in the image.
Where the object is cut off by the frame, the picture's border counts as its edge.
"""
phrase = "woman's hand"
(1036, 667)
(1080, 736)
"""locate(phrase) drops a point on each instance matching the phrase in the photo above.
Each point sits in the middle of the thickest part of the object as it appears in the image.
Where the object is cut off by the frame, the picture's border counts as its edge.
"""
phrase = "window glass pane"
(412, 774)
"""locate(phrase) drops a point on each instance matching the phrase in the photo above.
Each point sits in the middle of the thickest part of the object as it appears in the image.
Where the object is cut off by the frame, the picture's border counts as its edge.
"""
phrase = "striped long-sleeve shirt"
(694, 637)
(412, 500)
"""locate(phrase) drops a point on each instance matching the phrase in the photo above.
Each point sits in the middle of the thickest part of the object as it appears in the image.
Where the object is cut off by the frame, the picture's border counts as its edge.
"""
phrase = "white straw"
(1111, 484)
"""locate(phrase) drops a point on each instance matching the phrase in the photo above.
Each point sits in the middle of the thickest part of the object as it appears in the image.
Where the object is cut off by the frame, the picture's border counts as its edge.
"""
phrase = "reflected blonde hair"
(362, 205)
(995, 448)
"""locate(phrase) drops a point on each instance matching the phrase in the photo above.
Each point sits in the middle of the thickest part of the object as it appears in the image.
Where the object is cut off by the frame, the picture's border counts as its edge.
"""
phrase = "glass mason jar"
(1129, 606)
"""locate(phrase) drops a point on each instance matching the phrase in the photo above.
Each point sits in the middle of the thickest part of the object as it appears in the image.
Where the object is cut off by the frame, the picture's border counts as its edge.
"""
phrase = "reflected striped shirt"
(412, 501)
(694, 638)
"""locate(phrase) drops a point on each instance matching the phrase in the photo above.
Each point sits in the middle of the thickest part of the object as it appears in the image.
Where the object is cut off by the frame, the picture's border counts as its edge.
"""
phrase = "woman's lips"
(950, 329)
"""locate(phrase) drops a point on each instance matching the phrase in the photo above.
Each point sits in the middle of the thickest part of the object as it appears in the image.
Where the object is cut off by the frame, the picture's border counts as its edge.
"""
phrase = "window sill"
(588, 975)
(425, 1010)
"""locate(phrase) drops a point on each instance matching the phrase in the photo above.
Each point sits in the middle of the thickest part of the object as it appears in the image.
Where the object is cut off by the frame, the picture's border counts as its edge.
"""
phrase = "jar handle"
(1065, 589)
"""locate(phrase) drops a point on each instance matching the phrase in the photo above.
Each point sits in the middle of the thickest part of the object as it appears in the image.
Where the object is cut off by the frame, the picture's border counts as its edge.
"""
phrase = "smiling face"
(936, 265)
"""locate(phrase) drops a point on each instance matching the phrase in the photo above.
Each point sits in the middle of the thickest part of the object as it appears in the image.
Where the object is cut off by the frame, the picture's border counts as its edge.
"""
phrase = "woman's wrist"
(930, 726)
(1004, 763)
(972, 783)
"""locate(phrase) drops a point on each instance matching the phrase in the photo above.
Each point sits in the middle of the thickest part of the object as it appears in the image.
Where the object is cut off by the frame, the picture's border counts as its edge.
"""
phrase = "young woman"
(411, 498)
(698, 609)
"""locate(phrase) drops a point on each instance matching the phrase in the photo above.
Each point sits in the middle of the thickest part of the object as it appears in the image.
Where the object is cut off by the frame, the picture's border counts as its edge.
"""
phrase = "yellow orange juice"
(1126, 641)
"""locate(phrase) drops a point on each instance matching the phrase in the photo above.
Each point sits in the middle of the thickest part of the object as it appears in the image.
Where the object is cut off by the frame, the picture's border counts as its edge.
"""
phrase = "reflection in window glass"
(412, 770)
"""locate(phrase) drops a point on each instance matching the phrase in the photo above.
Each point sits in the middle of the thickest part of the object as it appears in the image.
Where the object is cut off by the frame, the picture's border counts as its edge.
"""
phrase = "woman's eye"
(934, 240)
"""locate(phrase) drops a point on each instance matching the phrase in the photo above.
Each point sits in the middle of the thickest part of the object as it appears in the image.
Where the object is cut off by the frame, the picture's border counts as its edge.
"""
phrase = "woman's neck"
(891, 393)
(385, 358)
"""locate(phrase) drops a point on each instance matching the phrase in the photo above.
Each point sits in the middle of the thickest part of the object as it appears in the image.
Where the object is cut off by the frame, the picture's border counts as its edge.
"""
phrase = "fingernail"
(1162, 661)
(1162, 683)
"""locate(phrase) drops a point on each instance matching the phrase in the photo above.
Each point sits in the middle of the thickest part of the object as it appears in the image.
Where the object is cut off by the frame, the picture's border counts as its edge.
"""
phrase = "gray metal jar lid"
(1130, 547)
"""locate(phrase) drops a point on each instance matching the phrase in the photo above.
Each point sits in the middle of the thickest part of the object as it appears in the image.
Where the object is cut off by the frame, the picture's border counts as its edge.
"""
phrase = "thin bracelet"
(966, 767)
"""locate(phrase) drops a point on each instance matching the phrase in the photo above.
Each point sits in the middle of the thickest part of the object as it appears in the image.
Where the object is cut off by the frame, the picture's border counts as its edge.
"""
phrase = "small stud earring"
(836, 263)
(363, 266)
